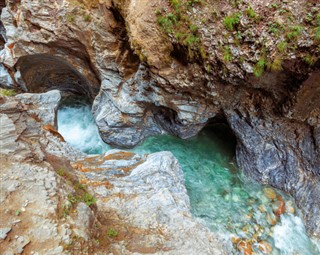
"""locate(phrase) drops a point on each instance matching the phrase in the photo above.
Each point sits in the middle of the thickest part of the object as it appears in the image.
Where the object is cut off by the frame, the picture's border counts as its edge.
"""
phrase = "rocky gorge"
(154, 67)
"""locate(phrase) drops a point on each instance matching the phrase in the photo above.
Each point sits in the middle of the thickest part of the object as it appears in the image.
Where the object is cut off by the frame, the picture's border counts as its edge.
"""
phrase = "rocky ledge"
(56, 200)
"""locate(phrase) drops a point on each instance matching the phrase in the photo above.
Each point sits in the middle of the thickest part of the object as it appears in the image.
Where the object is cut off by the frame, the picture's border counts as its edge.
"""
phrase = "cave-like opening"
(44, 72)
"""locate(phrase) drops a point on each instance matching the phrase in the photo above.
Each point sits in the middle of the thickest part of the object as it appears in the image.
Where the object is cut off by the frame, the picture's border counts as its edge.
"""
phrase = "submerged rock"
(265, 247)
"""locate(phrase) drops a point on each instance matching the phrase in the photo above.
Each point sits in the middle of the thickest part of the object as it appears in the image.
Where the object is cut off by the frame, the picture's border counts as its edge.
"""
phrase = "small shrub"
(227, 54)
(310, 60)
(89, 199)
(259, 67)
(202, 52)
(87, 17)
(7, 92)
(276, 65)
(193, 28)
(78, 185)
(232, 21)
(251, 13)
(112, 232)
(61, 172)
(282, 11)
(191, 39)
(275, 28)
(167, 22)
(308, 18)
(70, 18)
(294, 32)
(73, 199)
(282, 46)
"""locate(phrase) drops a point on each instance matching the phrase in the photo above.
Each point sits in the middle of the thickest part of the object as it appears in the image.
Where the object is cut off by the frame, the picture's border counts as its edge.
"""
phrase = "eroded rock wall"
(261, 74)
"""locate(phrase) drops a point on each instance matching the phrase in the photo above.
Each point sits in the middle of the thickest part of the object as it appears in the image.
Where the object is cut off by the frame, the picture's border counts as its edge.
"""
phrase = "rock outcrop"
(56, 200)
(254, 64)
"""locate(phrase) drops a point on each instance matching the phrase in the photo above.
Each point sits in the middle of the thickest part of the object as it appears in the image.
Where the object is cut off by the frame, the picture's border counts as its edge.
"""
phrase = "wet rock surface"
(56, 200)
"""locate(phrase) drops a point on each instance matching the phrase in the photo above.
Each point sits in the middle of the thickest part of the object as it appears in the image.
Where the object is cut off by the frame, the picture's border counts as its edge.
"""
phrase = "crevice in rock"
(127, 59)
(2, 35)
(180, 54)
(44, 72)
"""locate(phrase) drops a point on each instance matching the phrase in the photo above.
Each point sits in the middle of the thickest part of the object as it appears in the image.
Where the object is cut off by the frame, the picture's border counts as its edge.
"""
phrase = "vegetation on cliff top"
(179, 26)
(274, 32)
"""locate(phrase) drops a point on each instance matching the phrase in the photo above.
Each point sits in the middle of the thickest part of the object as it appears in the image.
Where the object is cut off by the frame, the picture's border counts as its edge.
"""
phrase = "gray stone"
(4, 232)
(46, 105)
(5, 78)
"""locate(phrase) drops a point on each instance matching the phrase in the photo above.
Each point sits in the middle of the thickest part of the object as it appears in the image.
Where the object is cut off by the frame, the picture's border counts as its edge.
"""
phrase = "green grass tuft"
(232, 21)
(259, 67)
(112, 232)
(8, 92)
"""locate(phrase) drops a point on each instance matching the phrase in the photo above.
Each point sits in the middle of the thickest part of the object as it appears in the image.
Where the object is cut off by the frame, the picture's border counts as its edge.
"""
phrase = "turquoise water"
(221, 197)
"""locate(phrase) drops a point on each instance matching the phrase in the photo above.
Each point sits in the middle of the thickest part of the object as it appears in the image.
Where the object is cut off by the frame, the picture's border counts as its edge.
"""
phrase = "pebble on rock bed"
(278, 207)
(265, 247)
(270, 193)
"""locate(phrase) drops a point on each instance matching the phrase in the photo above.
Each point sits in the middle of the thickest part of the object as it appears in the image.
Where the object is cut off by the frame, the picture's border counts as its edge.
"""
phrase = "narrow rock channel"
(252, 218)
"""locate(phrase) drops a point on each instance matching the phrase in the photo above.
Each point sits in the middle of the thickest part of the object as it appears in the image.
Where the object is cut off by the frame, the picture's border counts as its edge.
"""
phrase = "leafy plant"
(309, 59)
(309, 17)
(259, 67)
(87, 17)
(317, 29)
(8, 92)
(112, 232)
(89, 199)
(232, 21)
(178, 25)
(281, 46)
(317, 33)
(276, 65)
(70, 18)
(274, 5)
(73, 199)
(227, 54)
(275, 27)
(251, 13)
(294, 32)
(61, 172)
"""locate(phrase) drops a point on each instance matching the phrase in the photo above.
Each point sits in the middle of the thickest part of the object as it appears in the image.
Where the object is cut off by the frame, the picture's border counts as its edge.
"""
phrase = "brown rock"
(265, 247)
(270, 193)
(245, 247)
(278, 208)
(271, 219)
(235, 239)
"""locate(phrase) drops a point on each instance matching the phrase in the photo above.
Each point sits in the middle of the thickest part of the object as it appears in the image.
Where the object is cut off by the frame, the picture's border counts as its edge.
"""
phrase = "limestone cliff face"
(173, 66)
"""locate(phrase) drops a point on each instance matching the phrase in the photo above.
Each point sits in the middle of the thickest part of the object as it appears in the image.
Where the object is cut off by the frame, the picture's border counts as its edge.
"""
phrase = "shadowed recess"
(43, 72)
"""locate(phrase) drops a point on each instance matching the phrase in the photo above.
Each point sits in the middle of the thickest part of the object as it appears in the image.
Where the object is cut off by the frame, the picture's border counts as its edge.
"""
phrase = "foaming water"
(77, 126)
(290, 237)
(220, 195)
